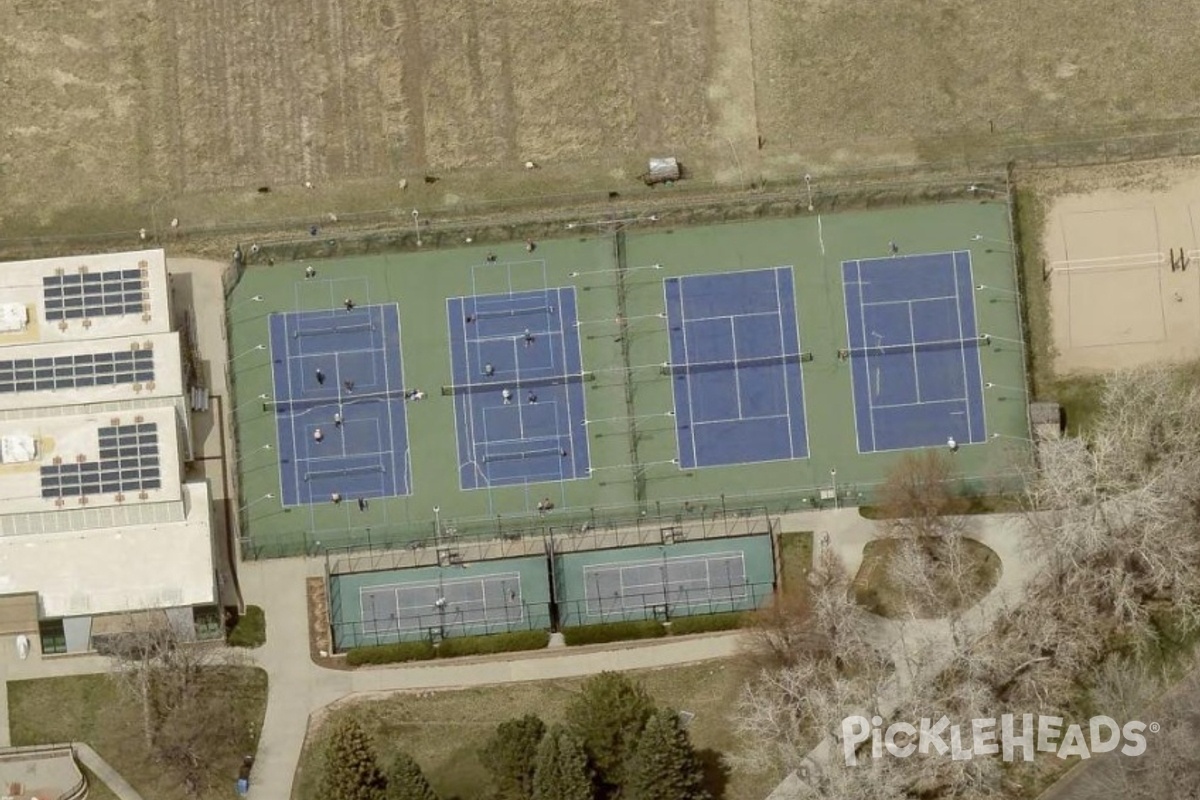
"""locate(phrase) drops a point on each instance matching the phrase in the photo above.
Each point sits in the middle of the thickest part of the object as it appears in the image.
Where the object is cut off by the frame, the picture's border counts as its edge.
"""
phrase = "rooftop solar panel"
(69, 372)
(131, 467)
(94, 294)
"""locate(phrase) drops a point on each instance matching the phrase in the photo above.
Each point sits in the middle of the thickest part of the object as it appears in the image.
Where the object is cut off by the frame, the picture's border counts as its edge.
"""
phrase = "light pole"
(254, 349)
(265, 447)
(979, 237)
(416, 215)
(252, 503)
(258, 298)
(983, 287)
(808, 185)
(437, 525)
(976, 189)
(987, 339)
(833, 477)
(262, 398)
(602, 222)
(991, 385)
(1018, 438)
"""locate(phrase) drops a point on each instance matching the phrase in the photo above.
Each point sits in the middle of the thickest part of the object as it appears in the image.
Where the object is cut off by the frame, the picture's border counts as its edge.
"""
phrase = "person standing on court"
(348, 303)
(507, 395)
(489, 370)
(318, 436)
(320, 377)
(337, 419)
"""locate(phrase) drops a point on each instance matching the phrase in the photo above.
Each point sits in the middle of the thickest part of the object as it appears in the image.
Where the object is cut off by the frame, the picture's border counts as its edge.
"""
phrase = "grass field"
(444, 730)
(92, 709)
(419, 283)
(166, 110)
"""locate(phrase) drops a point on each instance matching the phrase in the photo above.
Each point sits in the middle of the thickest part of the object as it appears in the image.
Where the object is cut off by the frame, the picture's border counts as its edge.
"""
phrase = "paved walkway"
(1003, 533)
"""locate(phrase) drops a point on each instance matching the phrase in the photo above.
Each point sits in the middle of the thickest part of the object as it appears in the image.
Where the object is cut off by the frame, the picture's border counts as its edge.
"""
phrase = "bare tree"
(918, 498)
(189, 707)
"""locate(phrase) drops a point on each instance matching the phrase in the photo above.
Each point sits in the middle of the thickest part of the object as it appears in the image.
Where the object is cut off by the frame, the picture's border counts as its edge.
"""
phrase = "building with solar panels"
(97, 524)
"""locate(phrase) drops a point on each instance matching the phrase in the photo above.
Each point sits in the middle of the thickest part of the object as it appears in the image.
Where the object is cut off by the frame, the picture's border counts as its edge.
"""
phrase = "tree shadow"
(715, 770)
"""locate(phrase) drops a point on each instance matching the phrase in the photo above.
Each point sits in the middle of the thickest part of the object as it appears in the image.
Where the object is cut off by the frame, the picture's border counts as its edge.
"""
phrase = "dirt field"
(1115, 300)
(127, 113)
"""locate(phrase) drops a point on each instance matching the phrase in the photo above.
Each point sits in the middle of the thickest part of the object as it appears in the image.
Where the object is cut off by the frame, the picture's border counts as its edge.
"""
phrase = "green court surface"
(665, 581)
(370, 608)
(631, 438)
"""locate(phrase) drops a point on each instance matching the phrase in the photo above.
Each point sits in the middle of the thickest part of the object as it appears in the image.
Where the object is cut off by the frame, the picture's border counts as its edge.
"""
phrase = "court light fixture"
(254, 349)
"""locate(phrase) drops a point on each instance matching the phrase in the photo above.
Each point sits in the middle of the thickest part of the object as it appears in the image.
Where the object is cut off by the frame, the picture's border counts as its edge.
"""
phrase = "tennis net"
(521, 455)
(740, 363)
(499, 385)
(346, 398)
(894, 349)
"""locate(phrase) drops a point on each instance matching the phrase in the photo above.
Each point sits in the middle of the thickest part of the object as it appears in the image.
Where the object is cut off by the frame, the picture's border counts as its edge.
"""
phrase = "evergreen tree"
(608, 717)
(351, 771)
(405, 781)
(663, 765)
(562, 771)
(510, 756)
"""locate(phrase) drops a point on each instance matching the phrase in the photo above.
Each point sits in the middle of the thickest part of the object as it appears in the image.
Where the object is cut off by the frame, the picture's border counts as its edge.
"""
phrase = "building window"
(208, 622)
(54, 639)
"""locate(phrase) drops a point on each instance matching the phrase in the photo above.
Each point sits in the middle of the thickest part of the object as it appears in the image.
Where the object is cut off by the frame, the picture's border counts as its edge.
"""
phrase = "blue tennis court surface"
(735, 360)
(338, 378)
(914, 351)
(518, 393)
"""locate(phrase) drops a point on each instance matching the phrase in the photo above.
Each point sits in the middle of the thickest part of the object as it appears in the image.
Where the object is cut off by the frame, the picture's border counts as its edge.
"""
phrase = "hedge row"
(705, 623)
(449, 648)
(250, 630)
(614, 632)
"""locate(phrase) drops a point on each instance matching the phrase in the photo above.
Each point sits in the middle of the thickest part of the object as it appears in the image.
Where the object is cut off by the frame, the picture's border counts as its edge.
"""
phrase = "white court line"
(787, 390)
(911, 300)
(740, 419)
(291, 422)
(737, 378)
(862, 311)
(962, 353)
(674, 405)
(735, 316)
(520, 403)
(821, 234)
(922, 403)
(912, 335)
(570, 418)
(408, 476)
(688, 375)
(979, 357)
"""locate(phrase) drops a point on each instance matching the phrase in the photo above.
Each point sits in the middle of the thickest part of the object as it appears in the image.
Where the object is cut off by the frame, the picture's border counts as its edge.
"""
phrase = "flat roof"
(89, 461)
(90, 371)
(84, 297)
(112, 570)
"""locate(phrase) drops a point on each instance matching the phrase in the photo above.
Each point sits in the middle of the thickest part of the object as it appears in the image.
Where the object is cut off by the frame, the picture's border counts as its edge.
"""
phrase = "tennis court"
(670, 583)
(442, 604)
(518, 380)
(914, 351)
(736, 367)
(339, 404)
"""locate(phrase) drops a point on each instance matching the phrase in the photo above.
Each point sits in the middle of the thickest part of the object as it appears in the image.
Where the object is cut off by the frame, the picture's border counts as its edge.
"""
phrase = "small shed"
(662, 170)
(1047, 419)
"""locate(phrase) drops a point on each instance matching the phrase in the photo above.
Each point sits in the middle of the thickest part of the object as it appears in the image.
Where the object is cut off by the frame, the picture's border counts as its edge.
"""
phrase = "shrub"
(391, 653)
(614, 632)
(250, 629)
(493, 643)
(703, 623)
